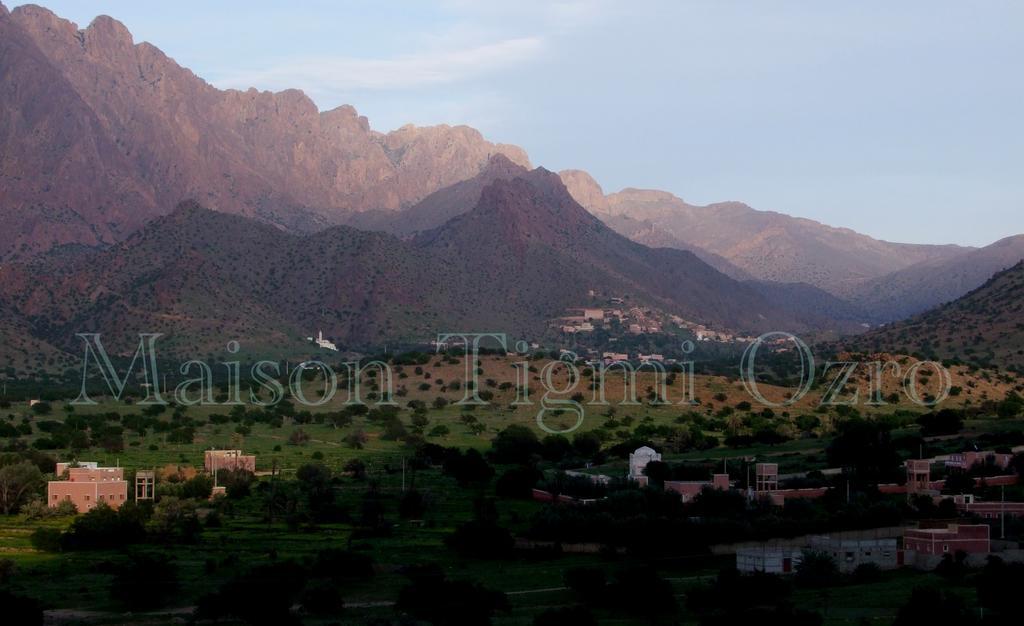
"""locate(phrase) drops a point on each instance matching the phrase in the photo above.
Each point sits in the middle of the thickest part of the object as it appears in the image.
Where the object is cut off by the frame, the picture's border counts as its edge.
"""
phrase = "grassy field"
(78, 581)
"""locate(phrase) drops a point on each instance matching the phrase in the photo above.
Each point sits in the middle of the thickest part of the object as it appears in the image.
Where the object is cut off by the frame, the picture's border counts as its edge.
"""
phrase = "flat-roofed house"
(229, 460)
(87, 485)
(949, 539)
(967, 460)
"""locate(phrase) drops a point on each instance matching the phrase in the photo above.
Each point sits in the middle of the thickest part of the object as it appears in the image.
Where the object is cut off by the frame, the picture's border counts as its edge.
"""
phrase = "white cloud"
(431, 67)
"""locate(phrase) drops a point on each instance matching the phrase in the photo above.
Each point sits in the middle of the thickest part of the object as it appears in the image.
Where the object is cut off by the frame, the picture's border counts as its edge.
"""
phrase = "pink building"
(88, 484)
(969, 538)
(967, 460)
(968, 504)
(229, 460)
(688, 489)
(766, 477)
(779, 496)
(919, 476)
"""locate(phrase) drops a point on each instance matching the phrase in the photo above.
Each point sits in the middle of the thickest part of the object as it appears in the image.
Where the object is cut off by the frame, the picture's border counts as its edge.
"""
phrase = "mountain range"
(883, 280)
(520, 257)
(100, 135)
(986, 326)
(290, 219)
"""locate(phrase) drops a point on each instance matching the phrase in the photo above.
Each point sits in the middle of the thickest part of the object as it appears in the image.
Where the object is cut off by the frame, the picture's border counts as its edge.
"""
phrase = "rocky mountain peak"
(585, 190)
(108, 36)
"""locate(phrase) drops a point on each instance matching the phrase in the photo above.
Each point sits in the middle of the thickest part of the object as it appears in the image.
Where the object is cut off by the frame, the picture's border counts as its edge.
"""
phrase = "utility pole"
(1002, 511)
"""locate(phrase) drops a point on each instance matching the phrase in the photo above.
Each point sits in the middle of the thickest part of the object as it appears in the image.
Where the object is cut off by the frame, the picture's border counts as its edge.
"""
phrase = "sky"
(899, 120)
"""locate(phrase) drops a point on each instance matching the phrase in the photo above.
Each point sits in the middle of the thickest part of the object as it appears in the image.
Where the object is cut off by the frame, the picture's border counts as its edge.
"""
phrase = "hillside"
(522, 256)
(763, 244)
(440, 206)
(985, 326)
(928, 284)
(100, 134)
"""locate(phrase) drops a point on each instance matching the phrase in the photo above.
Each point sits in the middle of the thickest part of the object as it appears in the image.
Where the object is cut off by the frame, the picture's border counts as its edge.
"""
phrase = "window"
(86, 497)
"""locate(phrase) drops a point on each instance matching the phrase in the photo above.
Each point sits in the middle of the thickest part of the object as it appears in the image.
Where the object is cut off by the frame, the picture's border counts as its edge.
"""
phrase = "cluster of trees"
(651, 521)
(635, 591)
(734, 598)
(171, 520)
(431, 597)
(266, 594)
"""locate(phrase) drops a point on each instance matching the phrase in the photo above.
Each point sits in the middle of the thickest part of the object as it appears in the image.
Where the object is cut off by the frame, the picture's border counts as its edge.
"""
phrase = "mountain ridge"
(984, 327)
(148, 133)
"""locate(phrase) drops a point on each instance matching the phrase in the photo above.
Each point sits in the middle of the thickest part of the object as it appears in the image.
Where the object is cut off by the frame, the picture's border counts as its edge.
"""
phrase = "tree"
(816, 570)
(199, 487)
(658, 472)
(412, 505)
(866, 450)
(517, 482)
(315, 482)
(467, 468)
(356, 439)
(298, 437)
(432, 598)
(17, 482)
(514, 444)
(147, 583)
(322, 597)
(953, 567)
(566, 616)
(20, 610)
(640, 591)
(998, 585)
(555, 448)
(588, 583)
(262, 596)
(103, 527)
(944, 422)
(355, 468)
(933, 607)
(176, 519)
(237, 483)
(587, 445)
(957, 483)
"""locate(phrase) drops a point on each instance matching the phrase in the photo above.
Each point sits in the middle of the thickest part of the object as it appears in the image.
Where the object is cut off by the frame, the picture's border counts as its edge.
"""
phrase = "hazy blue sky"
(903, 120)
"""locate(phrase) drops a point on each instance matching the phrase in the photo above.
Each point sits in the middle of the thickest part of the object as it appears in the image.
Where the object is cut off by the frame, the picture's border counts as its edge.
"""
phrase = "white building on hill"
(638, 460)
(323, 343)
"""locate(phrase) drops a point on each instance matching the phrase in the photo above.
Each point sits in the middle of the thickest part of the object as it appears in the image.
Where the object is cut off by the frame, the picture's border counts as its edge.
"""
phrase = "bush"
(566, 616)
(431, 598)
(588, 583)
(19, 609)
(514, 444)
(102, 528)
(867, 573)
(298, 437)
(816, 570)
(46, 539)
(517, 482)
(322, 597)
(147, 583)
(482, 539)
(263, 595)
